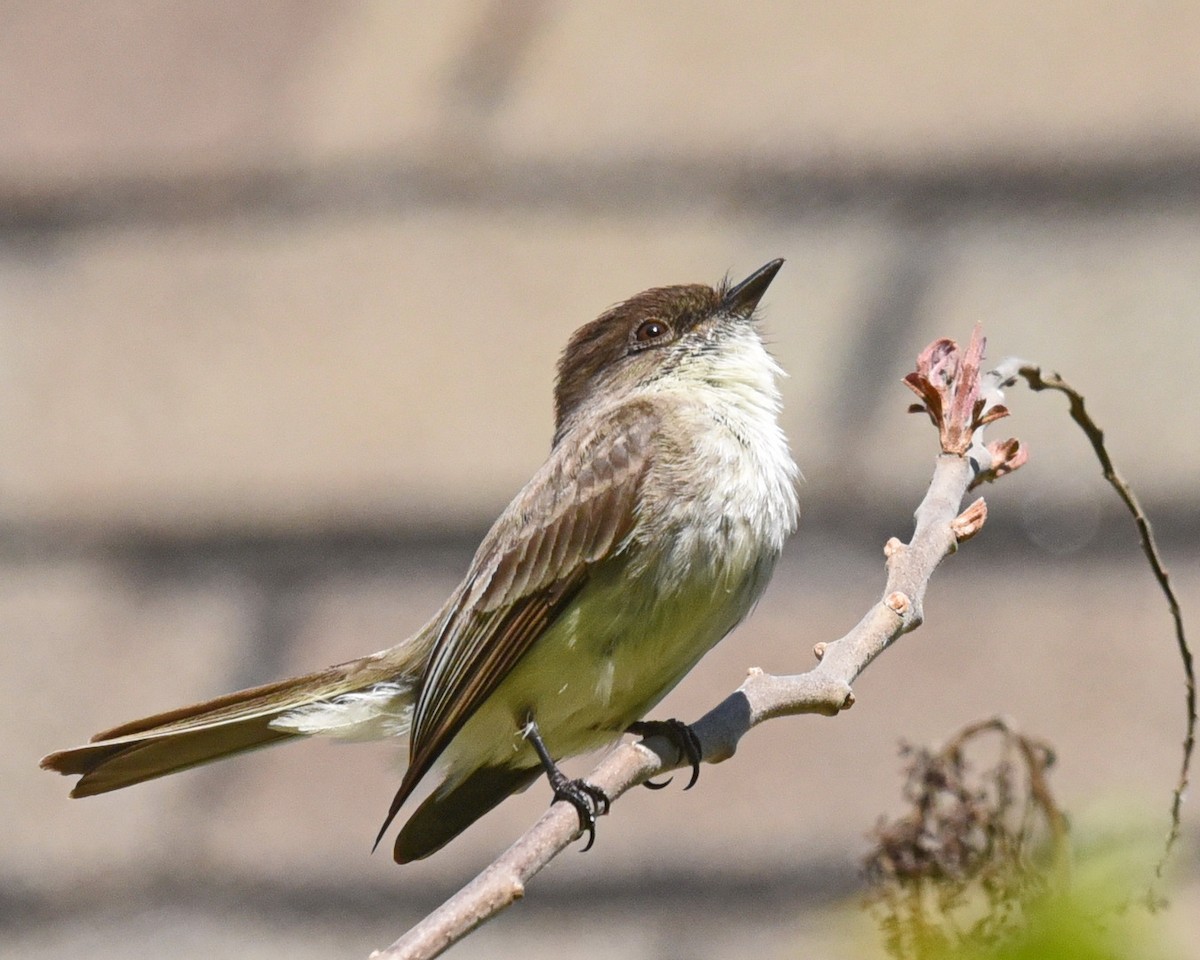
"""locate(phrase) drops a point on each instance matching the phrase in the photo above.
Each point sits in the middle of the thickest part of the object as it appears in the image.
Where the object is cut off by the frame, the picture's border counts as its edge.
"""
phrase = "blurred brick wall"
(281, 291)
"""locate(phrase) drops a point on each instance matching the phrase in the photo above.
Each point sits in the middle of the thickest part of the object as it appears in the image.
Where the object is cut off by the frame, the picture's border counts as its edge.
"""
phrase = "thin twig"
(1038, 381)
(825, 689)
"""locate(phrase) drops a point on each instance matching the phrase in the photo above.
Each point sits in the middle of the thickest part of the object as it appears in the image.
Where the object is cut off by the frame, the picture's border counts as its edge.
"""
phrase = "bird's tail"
(362, 698)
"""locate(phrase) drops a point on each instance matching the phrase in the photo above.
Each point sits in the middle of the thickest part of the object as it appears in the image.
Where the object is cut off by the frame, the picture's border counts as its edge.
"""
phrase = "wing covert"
(576, 510)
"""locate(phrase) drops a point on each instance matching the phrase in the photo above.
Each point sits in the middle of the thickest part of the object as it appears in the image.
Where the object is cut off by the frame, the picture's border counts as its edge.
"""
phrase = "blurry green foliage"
(981, 868)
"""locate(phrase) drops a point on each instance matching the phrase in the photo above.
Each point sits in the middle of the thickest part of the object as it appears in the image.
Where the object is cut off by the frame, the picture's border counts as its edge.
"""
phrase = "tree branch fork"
(961, 401)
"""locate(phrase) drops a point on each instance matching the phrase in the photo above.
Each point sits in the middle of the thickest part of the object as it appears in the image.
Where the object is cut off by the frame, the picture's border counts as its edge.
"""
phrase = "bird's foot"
(681, 736)
(589, 801)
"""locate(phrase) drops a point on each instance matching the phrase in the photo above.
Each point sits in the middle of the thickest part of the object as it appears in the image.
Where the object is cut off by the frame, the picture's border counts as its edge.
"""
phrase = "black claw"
(681, 735)
(589, 802)
(655, 785)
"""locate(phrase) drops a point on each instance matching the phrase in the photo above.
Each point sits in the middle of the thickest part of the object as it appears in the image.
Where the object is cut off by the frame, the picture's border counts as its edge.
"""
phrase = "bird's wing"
(578, 509)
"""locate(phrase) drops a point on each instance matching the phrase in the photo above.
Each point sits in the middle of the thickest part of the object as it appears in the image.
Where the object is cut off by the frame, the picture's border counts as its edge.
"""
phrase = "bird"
(650, 531)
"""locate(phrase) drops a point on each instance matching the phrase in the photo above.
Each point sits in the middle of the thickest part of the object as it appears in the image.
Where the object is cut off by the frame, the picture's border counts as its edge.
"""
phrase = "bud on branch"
(948, 383)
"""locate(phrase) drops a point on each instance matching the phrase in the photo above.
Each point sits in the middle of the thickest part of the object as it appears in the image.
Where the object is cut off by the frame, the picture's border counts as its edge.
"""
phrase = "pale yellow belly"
(603, 664)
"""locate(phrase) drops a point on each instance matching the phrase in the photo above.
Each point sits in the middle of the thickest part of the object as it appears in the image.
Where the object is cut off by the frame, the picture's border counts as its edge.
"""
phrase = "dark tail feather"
(110, 766)
(168, 742)
(443, 816)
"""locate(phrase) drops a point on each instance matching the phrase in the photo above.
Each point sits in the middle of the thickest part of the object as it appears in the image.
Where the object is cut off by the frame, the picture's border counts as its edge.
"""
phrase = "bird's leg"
(681, 736)
(589, 802)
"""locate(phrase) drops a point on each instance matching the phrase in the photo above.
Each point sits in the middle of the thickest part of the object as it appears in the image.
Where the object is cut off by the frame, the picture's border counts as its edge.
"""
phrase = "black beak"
(743, 298)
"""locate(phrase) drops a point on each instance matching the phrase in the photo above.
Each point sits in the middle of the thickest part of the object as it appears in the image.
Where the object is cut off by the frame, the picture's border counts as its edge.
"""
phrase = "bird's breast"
(715, 508)
(721, 493)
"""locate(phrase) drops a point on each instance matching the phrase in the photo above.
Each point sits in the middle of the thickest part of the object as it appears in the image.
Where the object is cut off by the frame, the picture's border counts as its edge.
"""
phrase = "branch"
(960, 402)
(1038, 381)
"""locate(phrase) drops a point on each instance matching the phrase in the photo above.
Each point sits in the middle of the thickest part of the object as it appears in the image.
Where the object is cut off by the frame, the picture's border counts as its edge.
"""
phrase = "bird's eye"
(650, 330)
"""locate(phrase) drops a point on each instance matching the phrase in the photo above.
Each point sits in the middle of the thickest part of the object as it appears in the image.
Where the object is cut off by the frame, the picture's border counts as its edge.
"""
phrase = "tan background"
(281, 290)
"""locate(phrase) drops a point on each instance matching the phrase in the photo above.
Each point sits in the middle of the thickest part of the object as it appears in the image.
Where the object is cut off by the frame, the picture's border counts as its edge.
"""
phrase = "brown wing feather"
(575, 511)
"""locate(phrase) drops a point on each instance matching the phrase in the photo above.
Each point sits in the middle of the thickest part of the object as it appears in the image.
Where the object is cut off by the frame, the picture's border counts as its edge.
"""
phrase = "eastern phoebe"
(647, 535)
